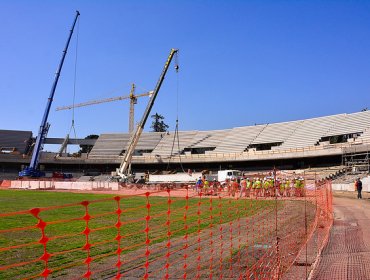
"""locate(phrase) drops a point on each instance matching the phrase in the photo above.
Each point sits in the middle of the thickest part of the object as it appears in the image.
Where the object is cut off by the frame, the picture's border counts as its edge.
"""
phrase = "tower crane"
(32, 170)
(123, 172)
(133, 100)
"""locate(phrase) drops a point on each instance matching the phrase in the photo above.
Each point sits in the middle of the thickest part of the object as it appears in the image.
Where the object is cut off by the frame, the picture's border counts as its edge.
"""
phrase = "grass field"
(65, 225)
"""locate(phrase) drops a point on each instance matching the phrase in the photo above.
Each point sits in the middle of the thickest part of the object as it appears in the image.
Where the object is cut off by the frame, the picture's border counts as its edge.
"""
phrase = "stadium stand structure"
(114, 144)
(166, 145)
(276, 137)
(330, 136)
(238, 139)
(12, 141)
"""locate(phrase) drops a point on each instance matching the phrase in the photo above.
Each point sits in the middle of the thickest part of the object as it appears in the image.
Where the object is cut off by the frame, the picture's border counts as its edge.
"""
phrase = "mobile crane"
(123, 172)
(32, 170)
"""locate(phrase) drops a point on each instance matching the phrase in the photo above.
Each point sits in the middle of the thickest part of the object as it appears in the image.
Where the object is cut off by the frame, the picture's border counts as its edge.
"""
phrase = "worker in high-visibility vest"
(249, 188)
(258, 185)
(282, 188)
(265, 187)
(253, 187)
(206, 187)
(288, 189)
(272, 191)
(299, 186)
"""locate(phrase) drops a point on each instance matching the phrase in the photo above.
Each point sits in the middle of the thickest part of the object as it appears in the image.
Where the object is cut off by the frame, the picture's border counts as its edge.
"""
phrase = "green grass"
(66, 224)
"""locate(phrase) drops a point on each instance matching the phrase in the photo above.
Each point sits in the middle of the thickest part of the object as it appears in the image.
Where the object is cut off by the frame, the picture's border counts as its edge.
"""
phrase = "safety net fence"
(238, 230)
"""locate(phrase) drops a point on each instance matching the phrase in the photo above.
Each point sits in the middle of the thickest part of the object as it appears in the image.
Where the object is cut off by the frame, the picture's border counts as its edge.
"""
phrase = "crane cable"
(74, 83)
(176, 135)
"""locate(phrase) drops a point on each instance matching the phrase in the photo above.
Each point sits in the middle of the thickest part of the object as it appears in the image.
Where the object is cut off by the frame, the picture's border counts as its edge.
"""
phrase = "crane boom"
(94, 102)
(122, 172)
(44, 127)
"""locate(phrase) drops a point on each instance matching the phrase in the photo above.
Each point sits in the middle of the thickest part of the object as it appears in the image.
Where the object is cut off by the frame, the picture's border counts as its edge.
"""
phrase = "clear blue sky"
(241, 62)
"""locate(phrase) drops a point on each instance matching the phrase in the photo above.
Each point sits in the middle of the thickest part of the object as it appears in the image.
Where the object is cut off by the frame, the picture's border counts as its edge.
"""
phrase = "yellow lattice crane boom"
(133, 100)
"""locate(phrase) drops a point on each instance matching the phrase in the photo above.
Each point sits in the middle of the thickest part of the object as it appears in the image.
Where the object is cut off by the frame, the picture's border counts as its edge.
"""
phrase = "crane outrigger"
(123, 172)
(32, 170)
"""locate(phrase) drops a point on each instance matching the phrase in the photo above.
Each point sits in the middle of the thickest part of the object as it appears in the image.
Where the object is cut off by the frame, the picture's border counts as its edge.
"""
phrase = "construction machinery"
(32, 170)
(123, 173)
(133, 100)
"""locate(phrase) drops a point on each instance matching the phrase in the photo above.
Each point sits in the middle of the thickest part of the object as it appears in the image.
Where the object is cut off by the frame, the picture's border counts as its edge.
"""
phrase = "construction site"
(247, 202)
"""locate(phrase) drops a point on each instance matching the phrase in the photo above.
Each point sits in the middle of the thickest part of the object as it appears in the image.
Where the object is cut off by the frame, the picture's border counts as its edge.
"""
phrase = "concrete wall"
(351, 186)
(63, 185)
(180, 177)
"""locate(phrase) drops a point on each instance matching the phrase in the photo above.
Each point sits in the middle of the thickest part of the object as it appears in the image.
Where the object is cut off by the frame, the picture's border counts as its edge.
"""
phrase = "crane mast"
(123, 171)
(133, 101)
(32, 170)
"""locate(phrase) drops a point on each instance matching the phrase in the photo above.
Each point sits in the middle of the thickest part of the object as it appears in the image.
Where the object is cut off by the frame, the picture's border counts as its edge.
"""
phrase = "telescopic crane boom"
(32, 170)
(123, 171)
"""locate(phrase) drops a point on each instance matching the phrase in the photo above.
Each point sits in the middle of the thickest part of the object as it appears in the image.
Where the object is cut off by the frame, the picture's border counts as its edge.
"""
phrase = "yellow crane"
(133, 100)
(123, 173)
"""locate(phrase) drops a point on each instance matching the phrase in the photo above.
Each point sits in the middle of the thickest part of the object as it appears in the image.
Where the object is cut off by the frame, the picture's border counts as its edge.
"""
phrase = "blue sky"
(241, 62)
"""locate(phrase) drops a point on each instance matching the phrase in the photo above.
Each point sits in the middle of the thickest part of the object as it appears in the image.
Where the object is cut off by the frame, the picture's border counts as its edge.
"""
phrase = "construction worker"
(274, 191)
(243, 187)
(299, 187)
(206, 187)
(288, 190)
(234, 186)
(199, 185)
(258, 185)
(282, 188)
(253, 187)
(214, 187)
(266, 187)
(248, 189)
(225, 185)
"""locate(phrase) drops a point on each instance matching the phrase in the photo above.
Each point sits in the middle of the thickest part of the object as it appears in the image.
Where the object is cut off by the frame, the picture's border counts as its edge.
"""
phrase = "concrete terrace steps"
(238, 139)
(167, 144)
(276, 132)
(293, 135)
(14, 139)
(310, 131)
(113, 144)
(351, 123)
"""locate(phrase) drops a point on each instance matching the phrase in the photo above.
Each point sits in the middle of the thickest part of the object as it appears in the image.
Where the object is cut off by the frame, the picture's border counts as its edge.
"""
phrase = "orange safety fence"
(5, 183)
(274, 233)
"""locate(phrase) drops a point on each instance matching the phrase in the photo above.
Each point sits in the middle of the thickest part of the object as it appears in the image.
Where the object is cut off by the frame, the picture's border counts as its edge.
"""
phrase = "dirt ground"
(347, 254)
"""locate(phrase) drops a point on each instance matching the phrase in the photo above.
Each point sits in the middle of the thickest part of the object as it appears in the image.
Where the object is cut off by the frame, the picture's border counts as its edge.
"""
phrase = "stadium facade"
(321, 141)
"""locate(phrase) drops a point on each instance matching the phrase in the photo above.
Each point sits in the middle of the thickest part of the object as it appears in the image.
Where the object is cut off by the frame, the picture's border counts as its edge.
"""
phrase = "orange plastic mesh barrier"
(269, 227)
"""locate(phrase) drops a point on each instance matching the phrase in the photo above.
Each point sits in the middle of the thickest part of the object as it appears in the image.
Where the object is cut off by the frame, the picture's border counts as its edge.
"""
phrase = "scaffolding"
(356, 159)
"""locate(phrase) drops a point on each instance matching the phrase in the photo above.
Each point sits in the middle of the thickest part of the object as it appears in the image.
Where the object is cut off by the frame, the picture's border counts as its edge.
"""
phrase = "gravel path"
(347, 254)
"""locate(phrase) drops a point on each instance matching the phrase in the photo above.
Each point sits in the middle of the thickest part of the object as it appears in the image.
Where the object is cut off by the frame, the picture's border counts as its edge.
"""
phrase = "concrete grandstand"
(314, 142)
